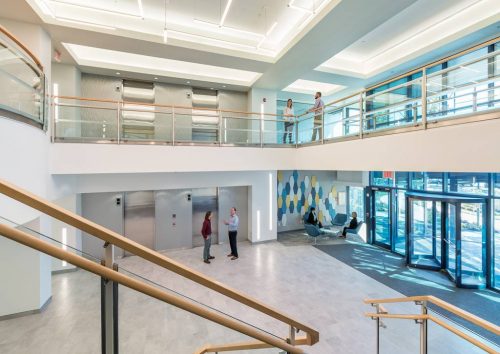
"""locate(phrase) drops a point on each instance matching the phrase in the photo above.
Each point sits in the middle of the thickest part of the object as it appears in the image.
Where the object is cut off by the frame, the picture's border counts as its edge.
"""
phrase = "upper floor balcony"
(457, 89)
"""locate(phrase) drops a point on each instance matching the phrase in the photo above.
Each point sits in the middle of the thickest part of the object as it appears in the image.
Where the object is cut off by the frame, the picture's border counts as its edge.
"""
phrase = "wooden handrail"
(157, 258)
(249, 345)
(478, 321)
(142, 287)
(439, 322)
(22, 46)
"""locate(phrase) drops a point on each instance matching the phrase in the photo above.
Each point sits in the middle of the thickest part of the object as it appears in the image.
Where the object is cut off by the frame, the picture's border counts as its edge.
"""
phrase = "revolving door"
(447, 233)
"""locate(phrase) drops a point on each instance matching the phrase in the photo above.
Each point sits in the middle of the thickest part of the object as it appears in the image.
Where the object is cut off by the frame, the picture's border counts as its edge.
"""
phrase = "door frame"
(373, 240)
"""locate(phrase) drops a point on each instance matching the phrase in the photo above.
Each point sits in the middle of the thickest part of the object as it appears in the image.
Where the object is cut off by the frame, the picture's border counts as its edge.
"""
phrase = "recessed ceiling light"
(223, 85)
(211, 88)
(156, 78)
(188, 82)
(310, 87)
(117, 73)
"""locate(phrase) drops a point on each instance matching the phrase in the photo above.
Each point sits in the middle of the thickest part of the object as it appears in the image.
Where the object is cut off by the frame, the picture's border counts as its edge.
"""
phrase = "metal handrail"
(397, 87)
(118, 240)
(144, 288)
(20, 44)
(419, 104)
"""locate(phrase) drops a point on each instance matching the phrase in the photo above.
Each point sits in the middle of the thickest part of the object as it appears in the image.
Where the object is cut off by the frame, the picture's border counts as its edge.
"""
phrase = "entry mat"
(390, 269)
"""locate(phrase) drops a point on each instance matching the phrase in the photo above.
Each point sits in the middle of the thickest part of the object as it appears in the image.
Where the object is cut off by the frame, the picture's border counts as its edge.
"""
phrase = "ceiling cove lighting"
(269, 31)
(215, 25)
(157, 66)
(45, 8)
(292, 6)
(85, 23)
(187, 36)
(310, 87)
(165, 35)
(226, 10)
(141, 9)
(99, 9)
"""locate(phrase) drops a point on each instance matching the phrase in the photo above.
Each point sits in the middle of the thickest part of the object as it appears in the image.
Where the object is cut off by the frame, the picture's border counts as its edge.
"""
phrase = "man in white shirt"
(318, 116)
(233, 224)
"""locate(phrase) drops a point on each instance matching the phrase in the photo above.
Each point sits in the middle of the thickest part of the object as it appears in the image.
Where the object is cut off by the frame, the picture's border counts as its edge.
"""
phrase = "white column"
(26, 272)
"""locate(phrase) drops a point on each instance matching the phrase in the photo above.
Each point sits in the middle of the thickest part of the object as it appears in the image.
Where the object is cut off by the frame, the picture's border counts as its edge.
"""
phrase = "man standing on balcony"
(318, 116)
(233, 232)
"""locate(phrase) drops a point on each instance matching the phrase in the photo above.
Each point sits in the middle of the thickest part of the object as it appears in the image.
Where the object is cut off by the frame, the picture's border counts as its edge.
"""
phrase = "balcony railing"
(464, 92)
(22, 82)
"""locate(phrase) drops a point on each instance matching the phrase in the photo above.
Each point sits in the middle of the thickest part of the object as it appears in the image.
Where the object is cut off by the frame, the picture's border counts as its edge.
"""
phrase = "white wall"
(25, 274)
(461, 148)
(263, 201)
(110, 158)
(67, 78)
(472, 147)
(257, 105)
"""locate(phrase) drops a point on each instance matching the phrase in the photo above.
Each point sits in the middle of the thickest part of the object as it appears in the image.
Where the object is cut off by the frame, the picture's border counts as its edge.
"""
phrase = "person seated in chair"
(352, 225)
(313, 219)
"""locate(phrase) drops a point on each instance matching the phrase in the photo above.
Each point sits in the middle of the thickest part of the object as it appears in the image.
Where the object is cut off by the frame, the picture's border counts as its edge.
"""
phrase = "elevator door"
(140, 218)
(203, 200)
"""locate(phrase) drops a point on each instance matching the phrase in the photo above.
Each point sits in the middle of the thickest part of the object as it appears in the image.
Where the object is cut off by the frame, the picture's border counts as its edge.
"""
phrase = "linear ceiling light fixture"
(99, 9)
(215, 25)
(165, 32)
(141, 10)
(295, 7)
(86, 23)
(45, 8)
(269, 31)
(199, 36)
(226, 10)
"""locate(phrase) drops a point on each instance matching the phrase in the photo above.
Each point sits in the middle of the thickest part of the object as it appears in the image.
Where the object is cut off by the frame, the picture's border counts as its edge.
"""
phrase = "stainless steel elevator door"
(204, 199)
(140, 218)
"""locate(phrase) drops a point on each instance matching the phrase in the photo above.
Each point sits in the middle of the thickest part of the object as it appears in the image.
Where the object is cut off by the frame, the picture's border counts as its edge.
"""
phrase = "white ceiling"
(421, 27)
(258, 29)
(330, 44)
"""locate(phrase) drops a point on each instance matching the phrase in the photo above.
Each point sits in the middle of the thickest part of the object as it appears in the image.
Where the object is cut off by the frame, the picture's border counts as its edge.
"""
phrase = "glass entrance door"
(473, 245)
(449, 233)
(451, 241)
(381, 217)
(424, 233)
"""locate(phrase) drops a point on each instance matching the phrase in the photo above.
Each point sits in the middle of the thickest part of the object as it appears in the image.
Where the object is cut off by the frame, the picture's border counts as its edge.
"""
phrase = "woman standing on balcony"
(206, 232)
(289, 116)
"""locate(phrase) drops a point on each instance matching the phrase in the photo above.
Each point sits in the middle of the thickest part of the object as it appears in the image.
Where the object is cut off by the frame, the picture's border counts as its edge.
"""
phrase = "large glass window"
(356, 201)
(496, 184)
(417, 181)
(402, 180)
(468, 183)
(383, 178)
(434, 181)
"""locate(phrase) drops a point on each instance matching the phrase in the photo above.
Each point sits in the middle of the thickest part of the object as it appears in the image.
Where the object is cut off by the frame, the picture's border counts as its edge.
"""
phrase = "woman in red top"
(206, 232)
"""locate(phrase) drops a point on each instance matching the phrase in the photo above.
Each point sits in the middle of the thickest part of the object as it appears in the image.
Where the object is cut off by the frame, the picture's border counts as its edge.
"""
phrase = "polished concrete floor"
(299, 280)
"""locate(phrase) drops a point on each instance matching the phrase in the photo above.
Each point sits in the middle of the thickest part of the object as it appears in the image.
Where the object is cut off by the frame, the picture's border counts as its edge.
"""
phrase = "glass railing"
(101, 315)
(22, 82)
(461, 89)
(92, 120)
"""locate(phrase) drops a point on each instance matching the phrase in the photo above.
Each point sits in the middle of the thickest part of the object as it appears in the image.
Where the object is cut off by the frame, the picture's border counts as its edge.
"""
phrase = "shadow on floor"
(390, 269)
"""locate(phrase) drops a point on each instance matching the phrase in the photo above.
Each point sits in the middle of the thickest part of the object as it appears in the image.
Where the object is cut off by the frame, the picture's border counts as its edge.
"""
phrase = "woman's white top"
(289, 112)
